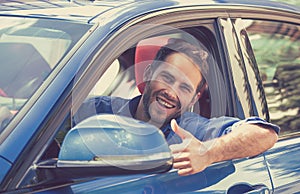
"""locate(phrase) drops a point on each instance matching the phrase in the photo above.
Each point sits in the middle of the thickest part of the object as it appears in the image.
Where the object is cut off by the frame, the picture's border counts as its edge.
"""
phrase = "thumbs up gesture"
(192, 155)
(246, 139)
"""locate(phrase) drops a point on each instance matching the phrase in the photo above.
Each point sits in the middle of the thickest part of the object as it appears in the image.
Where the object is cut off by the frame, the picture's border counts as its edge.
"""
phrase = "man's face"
(171, 89)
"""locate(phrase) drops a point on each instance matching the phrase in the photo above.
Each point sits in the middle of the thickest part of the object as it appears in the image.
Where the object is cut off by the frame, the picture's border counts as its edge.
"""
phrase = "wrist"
(208, 149)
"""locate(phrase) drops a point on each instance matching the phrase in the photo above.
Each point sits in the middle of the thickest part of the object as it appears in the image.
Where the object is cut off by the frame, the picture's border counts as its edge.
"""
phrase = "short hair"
(197, 53)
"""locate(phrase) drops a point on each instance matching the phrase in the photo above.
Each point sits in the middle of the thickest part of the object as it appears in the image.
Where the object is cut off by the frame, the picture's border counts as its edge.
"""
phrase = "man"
(173, 85)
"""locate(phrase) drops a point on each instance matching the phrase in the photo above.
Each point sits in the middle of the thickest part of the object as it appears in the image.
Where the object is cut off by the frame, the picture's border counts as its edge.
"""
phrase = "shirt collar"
(133, 104)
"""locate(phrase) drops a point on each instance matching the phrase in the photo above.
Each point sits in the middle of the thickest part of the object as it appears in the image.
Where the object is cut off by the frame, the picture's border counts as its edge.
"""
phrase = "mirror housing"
(109, 144)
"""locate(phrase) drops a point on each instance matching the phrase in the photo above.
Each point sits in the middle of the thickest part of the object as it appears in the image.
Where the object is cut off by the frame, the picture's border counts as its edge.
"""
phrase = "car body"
(56, 54)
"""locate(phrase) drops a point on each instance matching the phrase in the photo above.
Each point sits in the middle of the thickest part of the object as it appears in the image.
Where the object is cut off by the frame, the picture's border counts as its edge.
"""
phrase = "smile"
(164, 103)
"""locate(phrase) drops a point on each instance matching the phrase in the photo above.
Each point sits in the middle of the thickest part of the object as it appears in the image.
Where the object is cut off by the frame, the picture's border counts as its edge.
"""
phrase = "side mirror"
(109, 145)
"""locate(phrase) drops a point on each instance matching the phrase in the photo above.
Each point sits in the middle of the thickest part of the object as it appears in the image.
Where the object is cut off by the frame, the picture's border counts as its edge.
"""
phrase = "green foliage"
(288, 85)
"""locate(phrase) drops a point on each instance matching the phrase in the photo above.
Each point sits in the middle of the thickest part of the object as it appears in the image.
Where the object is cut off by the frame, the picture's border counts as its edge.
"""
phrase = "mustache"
(166, 95)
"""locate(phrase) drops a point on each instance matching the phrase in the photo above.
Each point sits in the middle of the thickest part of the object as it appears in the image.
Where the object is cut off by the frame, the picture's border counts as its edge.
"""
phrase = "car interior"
(124, 77)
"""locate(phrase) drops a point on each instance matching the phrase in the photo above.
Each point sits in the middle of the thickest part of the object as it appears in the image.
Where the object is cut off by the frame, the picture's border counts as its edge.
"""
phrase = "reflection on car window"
(29, 50)
(117, 80)
(276, 46)
(105, 81)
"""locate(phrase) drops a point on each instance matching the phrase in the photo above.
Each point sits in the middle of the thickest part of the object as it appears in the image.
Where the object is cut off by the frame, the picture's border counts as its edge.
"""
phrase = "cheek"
(184, 102)
(186, 99)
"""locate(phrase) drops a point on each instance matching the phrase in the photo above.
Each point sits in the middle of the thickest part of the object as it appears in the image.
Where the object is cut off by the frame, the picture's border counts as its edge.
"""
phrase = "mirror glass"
(113, 140)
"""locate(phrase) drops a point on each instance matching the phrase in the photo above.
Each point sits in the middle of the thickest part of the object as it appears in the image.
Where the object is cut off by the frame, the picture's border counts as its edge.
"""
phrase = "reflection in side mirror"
(110, 145)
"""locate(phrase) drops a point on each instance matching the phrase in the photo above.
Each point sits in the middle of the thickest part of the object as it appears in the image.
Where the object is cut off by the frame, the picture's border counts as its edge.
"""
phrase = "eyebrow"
(168, 74)
(184, 84)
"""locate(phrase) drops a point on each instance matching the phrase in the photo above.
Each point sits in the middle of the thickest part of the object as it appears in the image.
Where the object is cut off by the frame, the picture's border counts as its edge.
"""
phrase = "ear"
(195, 98)
(147, 73)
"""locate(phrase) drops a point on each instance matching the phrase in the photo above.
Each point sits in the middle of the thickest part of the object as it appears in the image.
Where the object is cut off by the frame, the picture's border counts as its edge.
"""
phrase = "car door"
(281, 83)
(229, 176)
(275, 44)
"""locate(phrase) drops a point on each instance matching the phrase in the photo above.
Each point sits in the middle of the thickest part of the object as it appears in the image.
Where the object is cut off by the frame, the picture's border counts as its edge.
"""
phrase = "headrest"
(145, 53)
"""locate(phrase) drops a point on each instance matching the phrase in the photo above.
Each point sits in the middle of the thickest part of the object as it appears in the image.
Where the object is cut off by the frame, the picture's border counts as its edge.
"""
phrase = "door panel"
(276, 47)
(284, 163)
(220, 177)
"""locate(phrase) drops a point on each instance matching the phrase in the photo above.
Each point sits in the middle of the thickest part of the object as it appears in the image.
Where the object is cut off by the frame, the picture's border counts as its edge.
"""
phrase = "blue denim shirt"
(201, 127)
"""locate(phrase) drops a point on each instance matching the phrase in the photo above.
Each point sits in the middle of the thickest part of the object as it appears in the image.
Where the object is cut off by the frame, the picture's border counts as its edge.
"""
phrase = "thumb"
(183, 134)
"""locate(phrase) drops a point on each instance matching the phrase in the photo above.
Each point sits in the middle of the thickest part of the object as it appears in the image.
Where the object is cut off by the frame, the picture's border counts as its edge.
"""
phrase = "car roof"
(88, 11)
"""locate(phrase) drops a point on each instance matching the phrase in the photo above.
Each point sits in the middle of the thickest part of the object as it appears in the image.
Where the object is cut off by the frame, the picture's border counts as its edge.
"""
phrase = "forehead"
(182, 68)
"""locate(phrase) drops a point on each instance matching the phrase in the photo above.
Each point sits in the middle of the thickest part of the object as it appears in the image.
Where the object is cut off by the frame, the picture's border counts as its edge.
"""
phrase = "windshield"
(29, 50)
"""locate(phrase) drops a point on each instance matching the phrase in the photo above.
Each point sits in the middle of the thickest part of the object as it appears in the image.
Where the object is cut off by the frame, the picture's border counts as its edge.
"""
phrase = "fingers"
(183, 134)
(185, 171)
(186, 154)
(181, 161)
(182, 157)
(184, 167)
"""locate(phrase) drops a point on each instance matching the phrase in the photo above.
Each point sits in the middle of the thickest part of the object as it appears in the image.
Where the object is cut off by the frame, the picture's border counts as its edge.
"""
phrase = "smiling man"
(173, 85)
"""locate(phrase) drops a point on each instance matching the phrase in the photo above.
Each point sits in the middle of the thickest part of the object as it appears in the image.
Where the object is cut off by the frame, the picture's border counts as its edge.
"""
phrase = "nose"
(171, 92)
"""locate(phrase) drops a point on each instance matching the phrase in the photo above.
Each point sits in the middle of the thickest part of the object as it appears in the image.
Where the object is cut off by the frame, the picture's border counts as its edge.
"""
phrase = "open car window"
(123, 77)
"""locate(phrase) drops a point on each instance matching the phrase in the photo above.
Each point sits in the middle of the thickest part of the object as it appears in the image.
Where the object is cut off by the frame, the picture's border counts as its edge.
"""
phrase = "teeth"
(164, 103)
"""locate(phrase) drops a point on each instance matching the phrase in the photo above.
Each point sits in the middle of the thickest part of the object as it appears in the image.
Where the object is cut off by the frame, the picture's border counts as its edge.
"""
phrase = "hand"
(191, 156)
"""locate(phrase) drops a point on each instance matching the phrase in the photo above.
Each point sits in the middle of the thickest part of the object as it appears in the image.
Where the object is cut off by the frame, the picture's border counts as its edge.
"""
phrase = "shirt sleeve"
(92, 106)
(251, 120)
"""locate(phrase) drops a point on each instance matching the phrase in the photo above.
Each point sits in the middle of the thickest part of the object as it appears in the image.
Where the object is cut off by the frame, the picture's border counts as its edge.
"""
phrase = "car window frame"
(272, 16)
(92, 72)
(42, 133)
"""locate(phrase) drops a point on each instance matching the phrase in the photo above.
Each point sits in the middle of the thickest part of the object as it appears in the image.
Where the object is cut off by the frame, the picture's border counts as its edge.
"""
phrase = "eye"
(186, 88)
(167, 78)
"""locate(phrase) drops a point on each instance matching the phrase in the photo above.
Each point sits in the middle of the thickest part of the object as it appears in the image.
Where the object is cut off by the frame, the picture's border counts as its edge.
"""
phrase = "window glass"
(29, 50)
(276, 46)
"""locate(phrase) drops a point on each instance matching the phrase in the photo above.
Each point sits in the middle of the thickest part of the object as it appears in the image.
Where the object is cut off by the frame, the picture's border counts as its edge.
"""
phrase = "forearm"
(244, 141)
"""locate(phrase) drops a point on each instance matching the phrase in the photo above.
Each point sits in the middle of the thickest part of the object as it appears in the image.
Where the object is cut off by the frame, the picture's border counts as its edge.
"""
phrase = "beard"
(158, 117)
